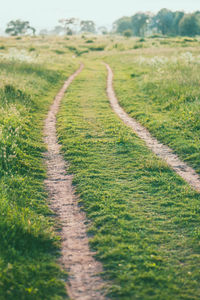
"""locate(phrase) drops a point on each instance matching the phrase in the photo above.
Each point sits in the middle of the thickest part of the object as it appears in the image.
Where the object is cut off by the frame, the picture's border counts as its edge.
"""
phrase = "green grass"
(144, 217)
(161, 90)
(29, 246)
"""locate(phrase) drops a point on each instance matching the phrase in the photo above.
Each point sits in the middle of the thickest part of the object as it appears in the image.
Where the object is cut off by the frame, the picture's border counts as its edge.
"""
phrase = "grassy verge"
(29, 246)
(144, 217)
(160, 88)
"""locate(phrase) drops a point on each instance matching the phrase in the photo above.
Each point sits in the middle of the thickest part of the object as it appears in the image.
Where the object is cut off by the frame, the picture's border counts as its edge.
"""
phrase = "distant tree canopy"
(72, 26)
(88, 26)
(190, 25)
(139, 23)
(103, 30)
(122, 24)
(165, 22)
(69, 25)
(19, 27)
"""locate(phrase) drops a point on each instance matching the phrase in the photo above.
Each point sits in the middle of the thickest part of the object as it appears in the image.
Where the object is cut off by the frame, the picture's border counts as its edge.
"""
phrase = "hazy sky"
(46, 13)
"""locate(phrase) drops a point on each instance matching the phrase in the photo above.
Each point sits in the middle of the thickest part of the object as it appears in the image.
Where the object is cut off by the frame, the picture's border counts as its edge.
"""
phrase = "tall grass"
(29, 245)
(161, 89)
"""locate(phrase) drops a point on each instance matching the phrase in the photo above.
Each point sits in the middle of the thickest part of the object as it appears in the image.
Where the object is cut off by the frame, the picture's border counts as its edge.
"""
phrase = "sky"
(46, 13)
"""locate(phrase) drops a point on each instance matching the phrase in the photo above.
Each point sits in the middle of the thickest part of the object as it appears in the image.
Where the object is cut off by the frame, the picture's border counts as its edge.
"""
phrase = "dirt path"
(181, 168)
(77, 259)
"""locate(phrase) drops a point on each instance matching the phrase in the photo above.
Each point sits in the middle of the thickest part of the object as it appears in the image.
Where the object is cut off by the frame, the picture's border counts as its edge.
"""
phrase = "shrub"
(98, 48)
(127, 33)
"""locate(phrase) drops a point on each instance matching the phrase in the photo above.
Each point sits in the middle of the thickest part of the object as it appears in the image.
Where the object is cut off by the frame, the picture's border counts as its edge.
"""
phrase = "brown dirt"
(164, 152)
(83, 281)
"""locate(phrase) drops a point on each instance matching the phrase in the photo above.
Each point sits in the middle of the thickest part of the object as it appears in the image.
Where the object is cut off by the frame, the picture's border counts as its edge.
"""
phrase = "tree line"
(69, 26)
(165, 22)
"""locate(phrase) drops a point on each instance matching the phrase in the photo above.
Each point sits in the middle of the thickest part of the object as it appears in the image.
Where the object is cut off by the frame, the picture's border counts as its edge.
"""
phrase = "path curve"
(181, 168)
(77, 259)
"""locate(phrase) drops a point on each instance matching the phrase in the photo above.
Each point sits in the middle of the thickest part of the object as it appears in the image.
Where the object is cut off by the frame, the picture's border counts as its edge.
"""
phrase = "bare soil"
(163, 151)
(84, 283)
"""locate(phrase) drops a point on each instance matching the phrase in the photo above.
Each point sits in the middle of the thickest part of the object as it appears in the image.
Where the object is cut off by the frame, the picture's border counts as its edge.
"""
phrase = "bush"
(137, 46)
(127, 33)
(98, 48)
(59, 51)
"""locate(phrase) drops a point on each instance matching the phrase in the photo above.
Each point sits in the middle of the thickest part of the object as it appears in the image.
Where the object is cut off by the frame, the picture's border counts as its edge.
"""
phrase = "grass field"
(144, 217)
(28, 245)
(160, 88)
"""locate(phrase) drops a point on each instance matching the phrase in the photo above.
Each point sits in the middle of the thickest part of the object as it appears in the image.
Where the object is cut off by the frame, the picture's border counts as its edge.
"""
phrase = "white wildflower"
(16, 54)
(187, 56)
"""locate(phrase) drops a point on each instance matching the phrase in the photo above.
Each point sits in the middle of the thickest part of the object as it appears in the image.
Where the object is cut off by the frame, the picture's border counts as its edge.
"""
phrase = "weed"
(97, 48)
(31, 49)
(137, 46)
(59, 51)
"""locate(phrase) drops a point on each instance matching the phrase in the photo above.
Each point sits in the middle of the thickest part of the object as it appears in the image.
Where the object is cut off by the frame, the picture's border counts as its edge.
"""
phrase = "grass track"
(144, 217)
(160, 88)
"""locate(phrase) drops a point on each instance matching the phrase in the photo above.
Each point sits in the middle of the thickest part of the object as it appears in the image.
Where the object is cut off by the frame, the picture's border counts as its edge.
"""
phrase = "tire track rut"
(83, 281)
(163, 151)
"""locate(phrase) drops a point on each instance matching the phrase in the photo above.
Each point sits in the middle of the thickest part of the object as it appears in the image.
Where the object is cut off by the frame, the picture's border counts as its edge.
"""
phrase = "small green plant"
(31, 49)
(81, 52)
(97, 48)
(59, 51)
(190, 40)
(164, 42)
(71, 48)
(127, 33)
(138, 46)
(133, 75)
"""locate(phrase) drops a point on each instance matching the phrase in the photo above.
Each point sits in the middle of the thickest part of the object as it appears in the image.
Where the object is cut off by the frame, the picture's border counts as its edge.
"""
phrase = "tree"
(44, 32)
(139, 23)
(164, 21)
(19, 27)
(88, 26)
(122, 24)
(32, 29)
(178, 15)
(58, 30)
(69, 25)
(103, 30)
(190, 24)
